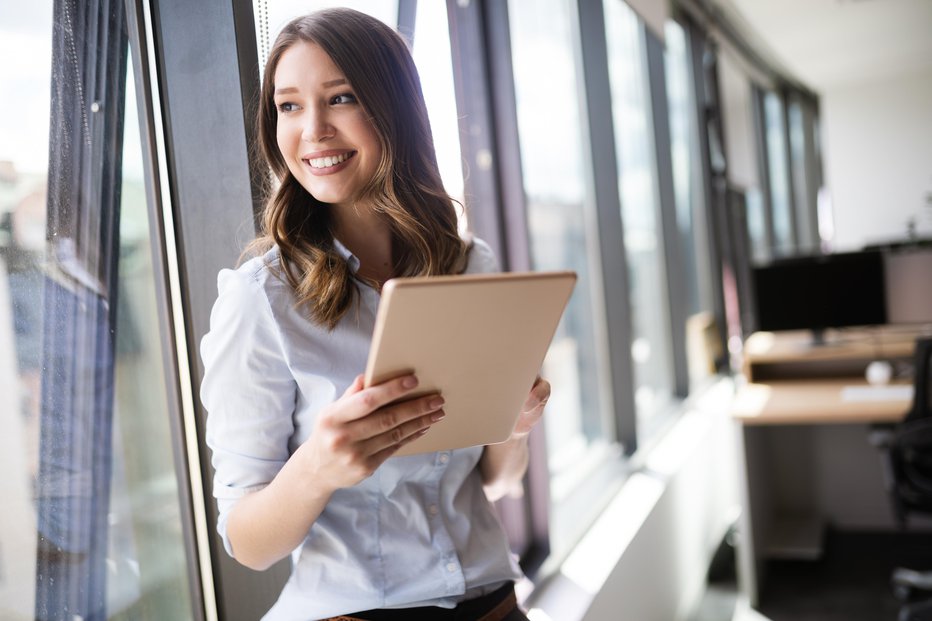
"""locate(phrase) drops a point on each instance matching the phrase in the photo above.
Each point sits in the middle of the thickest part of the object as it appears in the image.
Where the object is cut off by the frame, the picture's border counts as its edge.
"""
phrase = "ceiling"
(829, 43)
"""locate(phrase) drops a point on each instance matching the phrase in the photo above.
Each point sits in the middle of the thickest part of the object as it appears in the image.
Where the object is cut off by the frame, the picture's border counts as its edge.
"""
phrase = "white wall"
(647, 557)
(877, 154)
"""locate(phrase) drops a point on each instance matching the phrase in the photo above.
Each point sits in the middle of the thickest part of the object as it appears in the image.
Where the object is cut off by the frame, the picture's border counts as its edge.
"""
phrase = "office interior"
(663, 150)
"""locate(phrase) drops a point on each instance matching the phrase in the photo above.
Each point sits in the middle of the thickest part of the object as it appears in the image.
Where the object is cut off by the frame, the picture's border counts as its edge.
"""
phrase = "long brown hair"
(406, 189)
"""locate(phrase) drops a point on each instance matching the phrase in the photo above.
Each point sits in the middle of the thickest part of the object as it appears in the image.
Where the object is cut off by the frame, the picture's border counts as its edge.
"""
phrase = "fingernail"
(437, 416)
(435, 403)
(409, 382)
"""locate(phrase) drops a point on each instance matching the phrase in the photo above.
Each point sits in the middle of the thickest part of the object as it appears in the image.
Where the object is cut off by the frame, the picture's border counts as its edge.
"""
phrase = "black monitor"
(820, 291)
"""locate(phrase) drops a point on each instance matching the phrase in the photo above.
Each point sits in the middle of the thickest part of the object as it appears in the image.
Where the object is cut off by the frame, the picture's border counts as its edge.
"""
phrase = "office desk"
(820, 402)
(803, 412)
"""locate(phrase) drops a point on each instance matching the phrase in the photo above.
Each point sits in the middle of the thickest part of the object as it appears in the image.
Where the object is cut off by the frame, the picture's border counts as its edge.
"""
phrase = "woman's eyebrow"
(292, 89)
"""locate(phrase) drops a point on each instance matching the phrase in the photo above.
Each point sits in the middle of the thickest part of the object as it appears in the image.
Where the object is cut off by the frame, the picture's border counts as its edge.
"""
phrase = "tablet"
(477, 339)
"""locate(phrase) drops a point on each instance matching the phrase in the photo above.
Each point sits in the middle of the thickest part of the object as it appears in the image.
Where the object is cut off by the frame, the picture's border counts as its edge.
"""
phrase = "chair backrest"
(922, 380)
(910, 452)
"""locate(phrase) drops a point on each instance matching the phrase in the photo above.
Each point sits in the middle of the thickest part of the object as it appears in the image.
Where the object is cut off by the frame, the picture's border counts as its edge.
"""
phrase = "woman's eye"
(286, 107)
(345, 98)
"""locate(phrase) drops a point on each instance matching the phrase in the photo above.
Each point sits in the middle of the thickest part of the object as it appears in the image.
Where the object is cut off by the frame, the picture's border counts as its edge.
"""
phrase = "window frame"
(193, 157)
(613, 262)
(675, 262)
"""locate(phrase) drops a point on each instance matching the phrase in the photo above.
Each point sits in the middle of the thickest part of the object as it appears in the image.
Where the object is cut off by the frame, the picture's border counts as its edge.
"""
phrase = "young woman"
(302, 452)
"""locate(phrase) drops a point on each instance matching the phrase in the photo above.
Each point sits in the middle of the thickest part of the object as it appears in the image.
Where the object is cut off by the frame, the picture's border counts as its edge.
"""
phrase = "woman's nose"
(317, 127)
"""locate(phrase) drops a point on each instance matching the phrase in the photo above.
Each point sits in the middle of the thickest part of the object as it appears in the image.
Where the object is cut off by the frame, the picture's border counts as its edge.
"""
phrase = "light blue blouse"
(418, 532)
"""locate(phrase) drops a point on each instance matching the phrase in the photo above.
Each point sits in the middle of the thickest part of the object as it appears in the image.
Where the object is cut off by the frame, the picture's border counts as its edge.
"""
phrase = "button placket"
(450, 564)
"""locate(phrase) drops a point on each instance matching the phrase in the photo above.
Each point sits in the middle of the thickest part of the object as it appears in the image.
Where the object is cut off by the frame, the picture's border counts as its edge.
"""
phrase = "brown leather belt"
(492, 607)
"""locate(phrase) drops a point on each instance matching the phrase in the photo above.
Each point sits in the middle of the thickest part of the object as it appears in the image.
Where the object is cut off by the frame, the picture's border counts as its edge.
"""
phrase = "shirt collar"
(348, 256)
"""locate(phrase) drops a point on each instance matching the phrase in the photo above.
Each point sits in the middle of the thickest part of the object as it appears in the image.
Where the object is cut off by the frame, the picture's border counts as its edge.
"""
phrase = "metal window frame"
(484, 84)
(163, 249)
(674, 261)
(208, 183)
(783, 94)
(702, 56)
(613, 273)
(698, 185)
(407, 19)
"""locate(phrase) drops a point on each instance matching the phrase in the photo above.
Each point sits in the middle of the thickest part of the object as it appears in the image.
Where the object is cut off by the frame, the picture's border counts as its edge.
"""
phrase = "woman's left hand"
(503, 465)
(533, 408)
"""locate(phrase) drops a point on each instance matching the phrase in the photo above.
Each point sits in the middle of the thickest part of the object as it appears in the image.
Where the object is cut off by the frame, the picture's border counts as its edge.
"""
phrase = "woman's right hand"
(352, 437)
(356, 433)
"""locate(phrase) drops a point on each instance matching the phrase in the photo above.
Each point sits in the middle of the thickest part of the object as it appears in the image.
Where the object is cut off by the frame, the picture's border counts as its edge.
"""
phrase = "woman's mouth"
(329, 161)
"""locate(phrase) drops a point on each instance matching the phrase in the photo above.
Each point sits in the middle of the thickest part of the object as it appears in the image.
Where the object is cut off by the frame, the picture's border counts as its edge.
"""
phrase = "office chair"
(906, 450)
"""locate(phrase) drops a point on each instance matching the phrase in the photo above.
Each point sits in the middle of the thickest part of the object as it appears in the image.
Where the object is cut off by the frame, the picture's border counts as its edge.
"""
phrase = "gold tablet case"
(479, 340)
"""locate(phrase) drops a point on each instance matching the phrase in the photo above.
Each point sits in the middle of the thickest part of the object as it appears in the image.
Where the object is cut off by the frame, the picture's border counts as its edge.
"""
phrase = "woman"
(302, 451)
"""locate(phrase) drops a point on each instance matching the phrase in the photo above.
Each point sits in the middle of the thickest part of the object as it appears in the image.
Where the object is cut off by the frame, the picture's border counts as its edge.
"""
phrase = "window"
(692, 234)
(741, 149)
(778, 175)
(643, 234)
(560, 216)
(272, 15)
(431, 53)
(93, 522)
(804, 172)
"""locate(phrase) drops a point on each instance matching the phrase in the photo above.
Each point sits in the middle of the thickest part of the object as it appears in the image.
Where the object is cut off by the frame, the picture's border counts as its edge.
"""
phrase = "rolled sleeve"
(248, 391)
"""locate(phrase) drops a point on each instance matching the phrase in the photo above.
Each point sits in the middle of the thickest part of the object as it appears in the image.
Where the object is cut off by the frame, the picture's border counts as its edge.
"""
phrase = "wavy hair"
(406, 189)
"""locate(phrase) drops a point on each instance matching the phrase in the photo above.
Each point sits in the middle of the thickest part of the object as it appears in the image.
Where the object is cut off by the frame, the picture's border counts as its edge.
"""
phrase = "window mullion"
(610, 230)
(674, 265)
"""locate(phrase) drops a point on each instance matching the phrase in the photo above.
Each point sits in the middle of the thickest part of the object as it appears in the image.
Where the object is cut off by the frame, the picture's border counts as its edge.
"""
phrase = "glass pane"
(757, 231)
(802, 172)
(145, 493)
(272, 15)
(737, 96)
(92, 520)
(783, 237)
(690, 206)
(559, 210)
(434, 64)
(650, 346)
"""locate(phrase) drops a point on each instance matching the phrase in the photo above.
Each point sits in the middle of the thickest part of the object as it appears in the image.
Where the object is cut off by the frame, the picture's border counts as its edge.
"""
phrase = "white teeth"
(327, 162)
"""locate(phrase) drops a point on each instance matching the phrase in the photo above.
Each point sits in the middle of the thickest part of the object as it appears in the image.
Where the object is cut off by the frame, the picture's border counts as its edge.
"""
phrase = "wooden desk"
(819, 402)
(771, 356)
(789, 387)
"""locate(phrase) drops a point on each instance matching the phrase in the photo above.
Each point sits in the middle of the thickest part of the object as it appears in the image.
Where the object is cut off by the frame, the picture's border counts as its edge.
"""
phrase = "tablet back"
(479, 340)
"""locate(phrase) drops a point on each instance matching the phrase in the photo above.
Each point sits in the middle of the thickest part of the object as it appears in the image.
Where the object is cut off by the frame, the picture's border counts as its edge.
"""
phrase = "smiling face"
(323, 133)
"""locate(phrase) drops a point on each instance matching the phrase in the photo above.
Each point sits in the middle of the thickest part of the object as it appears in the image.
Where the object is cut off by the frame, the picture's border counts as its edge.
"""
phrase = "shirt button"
(444, 458)
(432, 509)
(451, 567)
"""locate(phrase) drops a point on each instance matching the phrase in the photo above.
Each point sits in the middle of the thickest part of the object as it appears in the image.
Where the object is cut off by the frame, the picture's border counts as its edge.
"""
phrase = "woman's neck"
(369, 238)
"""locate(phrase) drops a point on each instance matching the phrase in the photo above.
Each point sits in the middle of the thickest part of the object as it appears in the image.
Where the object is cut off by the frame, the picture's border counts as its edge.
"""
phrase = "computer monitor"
(819, 292)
